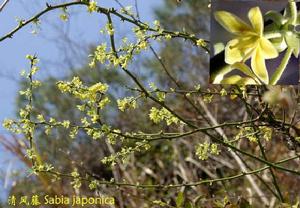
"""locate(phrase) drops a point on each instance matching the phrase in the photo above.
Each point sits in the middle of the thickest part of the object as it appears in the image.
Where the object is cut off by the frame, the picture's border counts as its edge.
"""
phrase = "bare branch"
(3, 5)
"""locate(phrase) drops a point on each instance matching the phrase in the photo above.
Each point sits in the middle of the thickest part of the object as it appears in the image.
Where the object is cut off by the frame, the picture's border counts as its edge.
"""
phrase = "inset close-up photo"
(254, 42)
(107, 104)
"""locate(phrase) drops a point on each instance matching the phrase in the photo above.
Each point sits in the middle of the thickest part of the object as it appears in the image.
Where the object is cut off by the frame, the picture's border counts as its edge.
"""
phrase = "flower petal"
(279, 44)
(232, 53)
(267, 48)
(217, 76)
(232, 23)
(256, 20)
(258, 66)
(239, 49)
(292, 40)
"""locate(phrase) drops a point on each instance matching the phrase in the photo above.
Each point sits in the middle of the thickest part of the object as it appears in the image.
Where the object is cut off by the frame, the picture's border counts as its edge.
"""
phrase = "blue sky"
(82, 28)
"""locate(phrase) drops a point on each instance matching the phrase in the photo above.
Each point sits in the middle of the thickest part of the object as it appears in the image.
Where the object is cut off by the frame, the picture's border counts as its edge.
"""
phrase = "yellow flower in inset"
(249, 41)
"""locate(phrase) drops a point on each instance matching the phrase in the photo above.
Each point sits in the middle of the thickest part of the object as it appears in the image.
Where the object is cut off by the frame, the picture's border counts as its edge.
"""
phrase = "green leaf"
(179, 199)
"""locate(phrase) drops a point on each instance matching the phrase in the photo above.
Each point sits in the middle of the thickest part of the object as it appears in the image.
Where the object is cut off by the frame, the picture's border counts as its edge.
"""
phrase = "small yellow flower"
(201, 43)
(249, 41)
(92, 6)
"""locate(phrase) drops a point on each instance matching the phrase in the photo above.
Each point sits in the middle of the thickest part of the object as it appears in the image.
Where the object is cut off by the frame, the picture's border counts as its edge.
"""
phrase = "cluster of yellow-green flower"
(93, 99)
(126, 103)
(42, 168)
(249, 133)
(201, 42)
(78, 90)
(159, 115)
(203, 150)
(94, 184)
(76, 183)
(109, 29)
(64, 16)
(208, 98)
(161, 96)
(24, 125)
(50, 123)
(123, 154)
(127, 10)
(143, 33)
(92, 6)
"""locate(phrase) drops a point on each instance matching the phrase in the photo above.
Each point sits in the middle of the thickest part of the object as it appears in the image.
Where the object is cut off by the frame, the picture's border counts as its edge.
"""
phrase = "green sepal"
(238, 80)
(276, 17)
(279, 44)
(293, 42)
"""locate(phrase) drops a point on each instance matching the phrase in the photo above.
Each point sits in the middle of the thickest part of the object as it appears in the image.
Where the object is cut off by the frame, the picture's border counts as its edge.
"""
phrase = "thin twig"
(3, 5)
